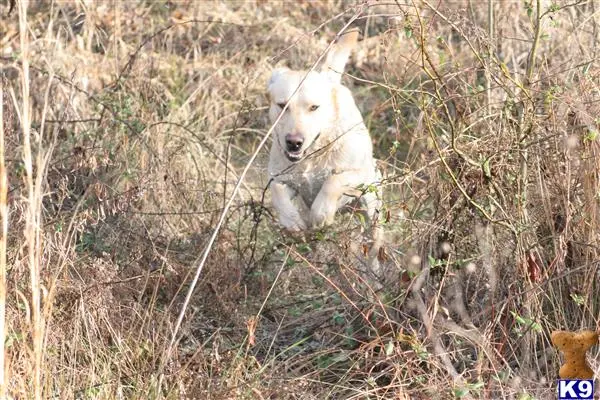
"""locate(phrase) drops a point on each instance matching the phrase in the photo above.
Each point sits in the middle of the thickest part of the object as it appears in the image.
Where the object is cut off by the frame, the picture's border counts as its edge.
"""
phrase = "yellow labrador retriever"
(322, 156)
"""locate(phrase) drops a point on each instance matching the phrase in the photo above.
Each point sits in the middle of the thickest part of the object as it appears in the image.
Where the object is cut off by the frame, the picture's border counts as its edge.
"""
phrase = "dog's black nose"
(294, 143)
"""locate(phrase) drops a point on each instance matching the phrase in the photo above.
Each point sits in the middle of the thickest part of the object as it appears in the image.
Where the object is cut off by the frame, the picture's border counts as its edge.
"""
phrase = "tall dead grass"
(130, 140)
(4, 232)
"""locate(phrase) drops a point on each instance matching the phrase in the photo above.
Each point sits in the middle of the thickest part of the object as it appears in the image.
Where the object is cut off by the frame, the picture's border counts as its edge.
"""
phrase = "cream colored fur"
(336, 157)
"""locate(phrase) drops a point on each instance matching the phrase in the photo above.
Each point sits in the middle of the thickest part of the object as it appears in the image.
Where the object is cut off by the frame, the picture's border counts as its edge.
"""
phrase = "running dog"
(321, 158)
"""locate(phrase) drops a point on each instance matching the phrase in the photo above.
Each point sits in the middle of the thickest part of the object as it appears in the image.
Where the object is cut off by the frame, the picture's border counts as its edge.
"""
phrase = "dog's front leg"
(326, 203)
(289, 217)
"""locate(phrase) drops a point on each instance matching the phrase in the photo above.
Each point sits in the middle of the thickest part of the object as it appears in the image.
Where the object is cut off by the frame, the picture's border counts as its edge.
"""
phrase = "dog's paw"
(322, 213)
(292, 224)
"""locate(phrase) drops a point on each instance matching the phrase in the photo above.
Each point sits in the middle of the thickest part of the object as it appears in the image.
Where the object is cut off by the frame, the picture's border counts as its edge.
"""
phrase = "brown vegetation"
(128, 135)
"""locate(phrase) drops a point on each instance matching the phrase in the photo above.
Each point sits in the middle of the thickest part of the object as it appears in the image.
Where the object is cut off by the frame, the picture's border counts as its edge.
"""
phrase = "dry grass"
(126, 128)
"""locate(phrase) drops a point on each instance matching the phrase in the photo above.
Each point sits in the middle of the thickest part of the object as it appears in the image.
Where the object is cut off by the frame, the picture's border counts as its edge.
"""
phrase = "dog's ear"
(339, 53)
(275, 75)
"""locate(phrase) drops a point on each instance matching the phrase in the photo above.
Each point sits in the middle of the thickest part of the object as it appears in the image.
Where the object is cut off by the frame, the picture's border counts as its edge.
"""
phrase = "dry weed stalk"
(3, 239)
(32, 233)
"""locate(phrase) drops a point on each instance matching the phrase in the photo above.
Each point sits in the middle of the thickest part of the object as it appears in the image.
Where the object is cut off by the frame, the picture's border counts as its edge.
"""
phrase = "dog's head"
(313, 108)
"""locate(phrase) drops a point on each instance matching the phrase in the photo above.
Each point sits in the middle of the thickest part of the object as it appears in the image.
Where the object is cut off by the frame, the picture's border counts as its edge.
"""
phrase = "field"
(140, 256)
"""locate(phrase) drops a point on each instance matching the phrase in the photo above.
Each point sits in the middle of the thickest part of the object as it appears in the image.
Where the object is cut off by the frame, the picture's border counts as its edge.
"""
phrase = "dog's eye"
(313, 108)
(281, 105)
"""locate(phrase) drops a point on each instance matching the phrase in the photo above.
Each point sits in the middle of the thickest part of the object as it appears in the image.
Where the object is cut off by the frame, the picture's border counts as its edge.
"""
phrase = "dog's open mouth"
(294, 156)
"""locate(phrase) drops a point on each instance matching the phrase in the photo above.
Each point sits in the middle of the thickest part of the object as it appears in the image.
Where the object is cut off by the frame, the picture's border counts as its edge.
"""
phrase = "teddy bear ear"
(561, 339)
(557, 336)
(588, 338)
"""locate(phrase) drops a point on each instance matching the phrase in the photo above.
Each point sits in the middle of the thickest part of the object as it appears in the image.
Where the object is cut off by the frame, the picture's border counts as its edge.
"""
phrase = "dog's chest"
(308, 184)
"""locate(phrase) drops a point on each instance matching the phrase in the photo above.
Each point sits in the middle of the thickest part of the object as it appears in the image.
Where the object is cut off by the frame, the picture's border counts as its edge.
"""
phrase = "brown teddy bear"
(574, 345)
